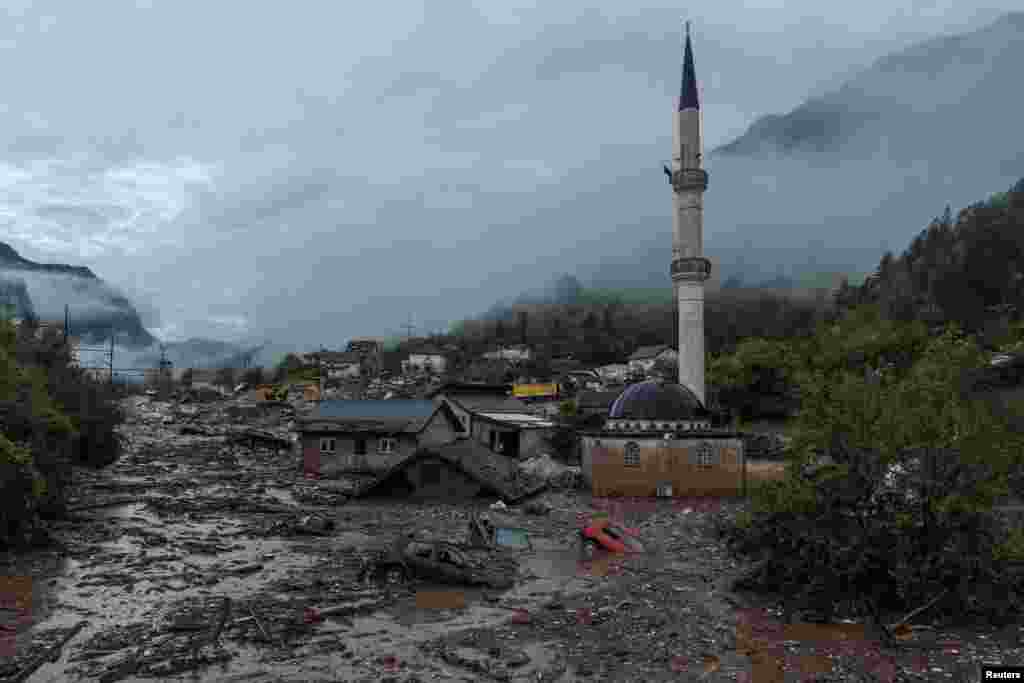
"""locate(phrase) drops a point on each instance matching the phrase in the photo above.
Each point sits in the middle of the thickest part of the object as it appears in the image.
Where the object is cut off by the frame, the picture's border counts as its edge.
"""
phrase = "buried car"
(603, 534)
(440, 561)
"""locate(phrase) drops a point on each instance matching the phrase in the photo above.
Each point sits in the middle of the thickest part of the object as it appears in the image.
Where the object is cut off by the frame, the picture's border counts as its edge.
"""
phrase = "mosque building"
(659, 438)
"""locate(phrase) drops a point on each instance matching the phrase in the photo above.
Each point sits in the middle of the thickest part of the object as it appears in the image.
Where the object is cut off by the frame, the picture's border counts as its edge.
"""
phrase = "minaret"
(689, 267)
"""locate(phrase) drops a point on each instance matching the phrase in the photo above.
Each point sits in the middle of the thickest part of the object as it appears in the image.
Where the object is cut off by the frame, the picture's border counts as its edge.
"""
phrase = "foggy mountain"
(14, 293)
(951, 83)
(95, 308)
(851, 173)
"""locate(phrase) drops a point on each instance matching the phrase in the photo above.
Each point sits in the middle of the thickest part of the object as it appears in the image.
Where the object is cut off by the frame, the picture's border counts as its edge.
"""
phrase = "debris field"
(205, 554)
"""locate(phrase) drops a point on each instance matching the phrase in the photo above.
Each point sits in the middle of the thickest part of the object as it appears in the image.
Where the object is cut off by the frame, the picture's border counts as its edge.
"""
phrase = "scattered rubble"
(206, 551)
(554, 473)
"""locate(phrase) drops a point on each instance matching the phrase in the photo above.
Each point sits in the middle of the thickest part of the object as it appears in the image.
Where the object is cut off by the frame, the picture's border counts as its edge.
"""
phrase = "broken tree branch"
(50, 655)
(922, 608)
(259, 624)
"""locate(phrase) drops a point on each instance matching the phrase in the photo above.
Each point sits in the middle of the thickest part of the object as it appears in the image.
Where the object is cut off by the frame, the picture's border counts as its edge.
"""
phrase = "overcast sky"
(311, 171)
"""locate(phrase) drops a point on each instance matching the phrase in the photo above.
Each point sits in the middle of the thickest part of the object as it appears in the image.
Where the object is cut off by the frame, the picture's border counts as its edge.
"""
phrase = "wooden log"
(51, 655)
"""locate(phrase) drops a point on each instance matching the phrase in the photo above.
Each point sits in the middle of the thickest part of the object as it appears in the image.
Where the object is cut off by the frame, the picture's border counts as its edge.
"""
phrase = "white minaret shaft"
(689, 267)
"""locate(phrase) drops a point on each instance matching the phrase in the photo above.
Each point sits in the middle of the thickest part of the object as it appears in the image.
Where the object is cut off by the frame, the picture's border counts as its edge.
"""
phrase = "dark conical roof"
(656, 400)
(688, 93)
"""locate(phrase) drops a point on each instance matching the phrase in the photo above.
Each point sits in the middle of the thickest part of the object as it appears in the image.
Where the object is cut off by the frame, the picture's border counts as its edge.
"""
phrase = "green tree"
(902, 509)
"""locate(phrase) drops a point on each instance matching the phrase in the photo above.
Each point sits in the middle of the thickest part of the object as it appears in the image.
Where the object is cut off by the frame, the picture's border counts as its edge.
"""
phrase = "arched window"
(631, 454)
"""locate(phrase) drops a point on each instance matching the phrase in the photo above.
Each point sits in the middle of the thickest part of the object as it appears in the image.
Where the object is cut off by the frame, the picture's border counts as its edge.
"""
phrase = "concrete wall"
(673, 462)
(532, 442)
(437, 433)
(462, 416)
(344, 458)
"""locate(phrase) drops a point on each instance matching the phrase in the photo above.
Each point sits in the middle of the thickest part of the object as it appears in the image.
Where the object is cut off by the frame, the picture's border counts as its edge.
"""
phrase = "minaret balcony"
(691, 268)
(690, 179)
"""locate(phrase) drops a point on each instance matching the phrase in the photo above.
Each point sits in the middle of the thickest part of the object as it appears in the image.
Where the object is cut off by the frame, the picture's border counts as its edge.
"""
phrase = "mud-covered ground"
(187, 560)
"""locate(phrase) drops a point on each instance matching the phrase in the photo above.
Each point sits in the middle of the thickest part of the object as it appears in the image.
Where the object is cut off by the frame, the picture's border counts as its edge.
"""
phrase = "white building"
(614, 372)
(644, 358)
(518, 353)
(425, 360)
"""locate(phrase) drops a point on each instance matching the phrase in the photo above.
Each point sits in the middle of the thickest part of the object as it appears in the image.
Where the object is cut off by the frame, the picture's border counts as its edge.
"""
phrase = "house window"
(327, 445)
(360, 447)
(705, 454)
(631, 457)
(386, 445)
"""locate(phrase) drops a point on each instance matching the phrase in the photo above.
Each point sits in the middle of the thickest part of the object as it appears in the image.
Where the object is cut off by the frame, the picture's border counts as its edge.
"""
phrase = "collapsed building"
(490, 416)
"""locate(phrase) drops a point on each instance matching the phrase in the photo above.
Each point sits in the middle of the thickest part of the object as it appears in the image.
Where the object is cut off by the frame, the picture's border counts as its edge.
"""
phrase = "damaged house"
(371, 436)
(456, 471)
(490, 416)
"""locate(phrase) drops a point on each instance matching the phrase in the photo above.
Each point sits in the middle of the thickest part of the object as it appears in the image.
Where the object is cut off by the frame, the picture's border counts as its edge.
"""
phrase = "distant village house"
(427, 359)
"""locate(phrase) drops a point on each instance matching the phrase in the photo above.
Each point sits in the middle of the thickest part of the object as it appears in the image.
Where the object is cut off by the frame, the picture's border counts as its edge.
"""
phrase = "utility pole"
(164, 376)
(111, 356)
(408, 328)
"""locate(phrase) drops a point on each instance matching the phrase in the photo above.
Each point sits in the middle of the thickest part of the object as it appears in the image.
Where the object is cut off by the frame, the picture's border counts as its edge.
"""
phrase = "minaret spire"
(690, 269)
(688, 92)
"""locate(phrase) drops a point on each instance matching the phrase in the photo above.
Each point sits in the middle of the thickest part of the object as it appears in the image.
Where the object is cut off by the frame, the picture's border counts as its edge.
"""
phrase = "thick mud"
(194, 560)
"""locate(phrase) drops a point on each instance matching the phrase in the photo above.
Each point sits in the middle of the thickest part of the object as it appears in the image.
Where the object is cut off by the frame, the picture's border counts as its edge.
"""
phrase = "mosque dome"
(656, 400)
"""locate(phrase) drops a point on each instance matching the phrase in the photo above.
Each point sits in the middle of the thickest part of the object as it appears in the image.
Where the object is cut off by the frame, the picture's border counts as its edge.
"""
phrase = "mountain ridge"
(96, 310)
(872, 95)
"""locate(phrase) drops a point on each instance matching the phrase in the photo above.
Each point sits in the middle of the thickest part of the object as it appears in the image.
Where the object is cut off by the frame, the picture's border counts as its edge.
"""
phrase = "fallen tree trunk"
(51, 655)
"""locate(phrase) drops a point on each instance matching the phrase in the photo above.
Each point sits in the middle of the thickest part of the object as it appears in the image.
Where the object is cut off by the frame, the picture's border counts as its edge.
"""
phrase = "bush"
(902, 507)
(52, 418)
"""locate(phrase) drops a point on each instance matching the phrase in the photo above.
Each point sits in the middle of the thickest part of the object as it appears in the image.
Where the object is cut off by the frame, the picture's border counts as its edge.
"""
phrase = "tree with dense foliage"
(901, 509)
(53, 417)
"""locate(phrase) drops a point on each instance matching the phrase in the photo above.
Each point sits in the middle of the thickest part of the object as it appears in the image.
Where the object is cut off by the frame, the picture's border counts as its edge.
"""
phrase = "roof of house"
(490, 404)
(650, 352)
(522, 420)
(398, 415)
(499, 475)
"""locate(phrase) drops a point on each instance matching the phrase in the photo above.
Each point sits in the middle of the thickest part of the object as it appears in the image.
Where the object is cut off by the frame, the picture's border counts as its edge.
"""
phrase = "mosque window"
(631, 456)
(705, 454)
